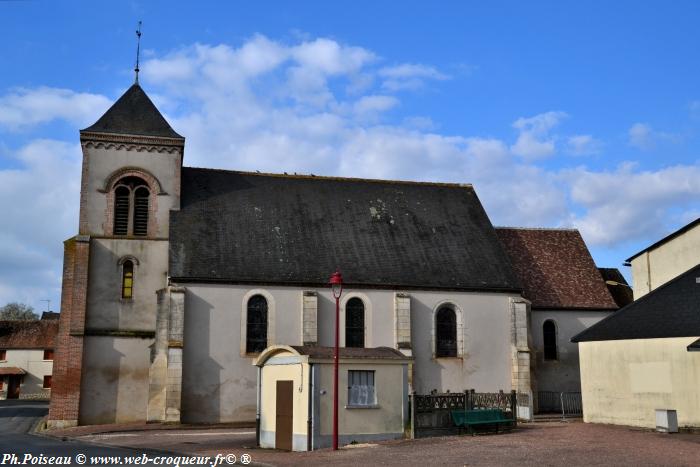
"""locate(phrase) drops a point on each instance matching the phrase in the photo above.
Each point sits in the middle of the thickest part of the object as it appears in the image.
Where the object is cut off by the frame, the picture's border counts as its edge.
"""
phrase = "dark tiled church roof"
(555, 268)
(262, 228)
(34, 334)
(133, 114)
(315, 351)
(672, 310)
(622, 294)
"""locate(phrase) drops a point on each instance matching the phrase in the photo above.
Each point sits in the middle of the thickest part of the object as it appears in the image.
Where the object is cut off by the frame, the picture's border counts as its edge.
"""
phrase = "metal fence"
(430, 414)
(564, 403)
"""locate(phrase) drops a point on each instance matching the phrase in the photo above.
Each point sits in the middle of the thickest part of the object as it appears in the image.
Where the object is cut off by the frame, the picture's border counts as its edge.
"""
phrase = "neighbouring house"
(567, 293)
(644, 358)
(26, 358)
(665, 259)
(179, 277)
(295, 396)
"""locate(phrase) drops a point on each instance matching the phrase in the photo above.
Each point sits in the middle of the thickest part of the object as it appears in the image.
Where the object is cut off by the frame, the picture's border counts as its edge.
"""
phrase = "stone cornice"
(87, 137)
(136, 146)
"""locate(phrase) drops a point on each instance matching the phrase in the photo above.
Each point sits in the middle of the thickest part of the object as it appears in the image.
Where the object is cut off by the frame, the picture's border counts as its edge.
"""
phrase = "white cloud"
(534, 140)
(583, 145)
(644, 137)
(408, 76)
(22, 108)
(373, 104)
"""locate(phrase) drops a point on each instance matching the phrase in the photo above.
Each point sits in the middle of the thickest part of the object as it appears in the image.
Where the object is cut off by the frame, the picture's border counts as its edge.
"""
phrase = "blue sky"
(561, 114)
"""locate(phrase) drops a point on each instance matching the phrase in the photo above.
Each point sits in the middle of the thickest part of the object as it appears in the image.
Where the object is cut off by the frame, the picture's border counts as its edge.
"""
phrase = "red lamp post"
(337, 289)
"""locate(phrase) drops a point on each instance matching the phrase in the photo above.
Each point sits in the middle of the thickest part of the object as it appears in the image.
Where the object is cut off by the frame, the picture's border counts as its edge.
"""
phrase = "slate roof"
(622, 295)
(350, 352)
(34, 334)
(672, 310)
(555, 268)
(668, 237)
(133, 114)
(241, 227)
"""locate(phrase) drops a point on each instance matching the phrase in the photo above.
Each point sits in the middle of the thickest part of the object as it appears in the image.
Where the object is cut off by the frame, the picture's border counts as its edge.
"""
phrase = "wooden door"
(13, 386)
(284, 418)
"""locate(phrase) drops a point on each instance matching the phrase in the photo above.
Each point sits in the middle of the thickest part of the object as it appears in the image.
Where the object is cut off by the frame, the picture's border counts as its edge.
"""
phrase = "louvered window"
(127, 279)
(131, 207)
(256, 325)
(121, 210)
(355, 323)
(141, 211)
(446, 333)
(549, 335)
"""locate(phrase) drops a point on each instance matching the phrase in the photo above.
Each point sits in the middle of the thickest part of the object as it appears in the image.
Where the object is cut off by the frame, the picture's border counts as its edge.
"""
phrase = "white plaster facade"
(33, 363)
(625, 381)
(670, 258)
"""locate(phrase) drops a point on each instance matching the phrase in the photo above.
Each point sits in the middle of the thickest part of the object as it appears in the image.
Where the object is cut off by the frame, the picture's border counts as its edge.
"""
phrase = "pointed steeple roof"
(133, 114)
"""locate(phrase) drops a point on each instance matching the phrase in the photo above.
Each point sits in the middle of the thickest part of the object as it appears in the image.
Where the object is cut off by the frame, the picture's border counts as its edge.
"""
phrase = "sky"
(578, 115)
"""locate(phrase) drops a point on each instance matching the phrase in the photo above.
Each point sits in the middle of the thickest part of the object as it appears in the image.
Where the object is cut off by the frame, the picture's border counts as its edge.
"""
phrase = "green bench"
(471, 419)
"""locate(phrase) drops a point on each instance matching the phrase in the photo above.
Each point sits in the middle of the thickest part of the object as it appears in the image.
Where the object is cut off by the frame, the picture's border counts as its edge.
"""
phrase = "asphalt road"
(17, 417)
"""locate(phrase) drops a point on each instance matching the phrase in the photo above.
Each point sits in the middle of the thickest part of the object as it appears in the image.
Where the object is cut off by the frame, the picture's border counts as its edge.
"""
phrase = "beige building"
(295, 396)
(644, 358)
(665, 259)
(26, 358)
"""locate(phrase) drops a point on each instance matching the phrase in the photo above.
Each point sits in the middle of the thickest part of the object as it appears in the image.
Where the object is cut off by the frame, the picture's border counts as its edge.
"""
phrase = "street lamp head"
(621, 284)
(336, 284)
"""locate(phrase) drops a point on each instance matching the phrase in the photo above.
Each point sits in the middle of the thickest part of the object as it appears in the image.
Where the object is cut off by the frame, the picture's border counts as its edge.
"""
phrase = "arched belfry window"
(131, 207)
(355, 323)
(127, 279)
(256, 324)
(446, 332)
(549, 335)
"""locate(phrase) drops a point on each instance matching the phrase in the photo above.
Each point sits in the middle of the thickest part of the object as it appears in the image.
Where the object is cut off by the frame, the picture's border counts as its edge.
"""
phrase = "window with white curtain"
(361, 388)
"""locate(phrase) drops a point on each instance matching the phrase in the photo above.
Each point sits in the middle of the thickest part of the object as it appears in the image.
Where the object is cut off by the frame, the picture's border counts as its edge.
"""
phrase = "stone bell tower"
(116, 264)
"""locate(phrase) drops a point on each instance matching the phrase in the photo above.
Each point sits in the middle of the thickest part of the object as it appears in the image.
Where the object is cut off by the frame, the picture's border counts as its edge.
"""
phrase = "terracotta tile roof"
(38, 334)
(555, 268)
(11, 370)
(622, 294)
(350, 352)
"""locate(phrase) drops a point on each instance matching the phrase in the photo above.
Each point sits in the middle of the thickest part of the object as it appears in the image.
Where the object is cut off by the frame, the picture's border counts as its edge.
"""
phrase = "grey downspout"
(257, 409)
(309, 420)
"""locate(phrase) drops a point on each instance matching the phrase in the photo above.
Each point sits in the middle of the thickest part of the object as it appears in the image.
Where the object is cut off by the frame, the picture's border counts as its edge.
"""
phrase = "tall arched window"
(131, 200)
(127, 279)
(256, 324)
(549, 334)
(355, 323)
(446, 332)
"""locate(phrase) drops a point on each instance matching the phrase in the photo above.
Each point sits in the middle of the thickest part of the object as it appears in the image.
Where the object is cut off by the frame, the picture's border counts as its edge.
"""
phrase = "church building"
(179, 277)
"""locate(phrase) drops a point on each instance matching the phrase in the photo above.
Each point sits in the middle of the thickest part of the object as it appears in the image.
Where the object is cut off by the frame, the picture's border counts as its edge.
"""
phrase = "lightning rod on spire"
(138, 52)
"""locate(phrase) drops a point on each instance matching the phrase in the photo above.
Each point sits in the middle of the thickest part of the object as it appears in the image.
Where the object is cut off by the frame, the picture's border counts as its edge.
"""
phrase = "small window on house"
(361, 392)
(256, 324)
(549, 334)
(131, 203)
(127, 279)
(48, 354)
(445, 333)
(354, 323)
(3, 354)
(47, 382)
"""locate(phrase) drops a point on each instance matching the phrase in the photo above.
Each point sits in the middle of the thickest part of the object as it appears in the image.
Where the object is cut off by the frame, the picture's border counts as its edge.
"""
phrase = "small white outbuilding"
(295, 396)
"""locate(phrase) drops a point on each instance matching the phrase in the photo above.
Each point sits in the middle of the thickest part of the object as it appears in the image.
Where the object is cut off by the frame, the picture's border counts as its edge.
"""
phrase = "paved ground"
(17, 417)
(541, 444)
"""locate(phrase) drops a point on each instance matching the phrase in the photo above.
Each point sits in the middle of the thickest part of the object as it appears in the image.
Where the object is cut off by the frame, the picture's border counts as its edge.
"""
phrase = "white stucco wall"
(625, 381)
(664, 262)
(114, 380)
(219, 384)
(32, 361)
(561, 375)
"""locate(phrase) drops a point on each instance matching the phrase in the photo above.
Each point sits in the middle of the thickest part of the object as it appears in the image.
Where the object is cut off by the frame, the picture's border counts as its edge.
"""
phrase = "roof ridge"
(565, 229)
(337, 178)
